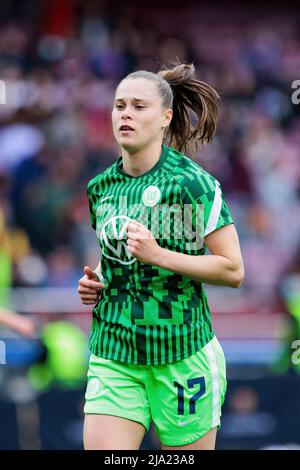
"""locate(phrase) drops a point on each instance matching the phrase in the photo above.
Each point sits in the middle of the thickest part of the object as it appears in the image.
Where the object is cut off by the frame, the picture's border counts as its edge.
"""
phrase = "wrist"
(162, 258)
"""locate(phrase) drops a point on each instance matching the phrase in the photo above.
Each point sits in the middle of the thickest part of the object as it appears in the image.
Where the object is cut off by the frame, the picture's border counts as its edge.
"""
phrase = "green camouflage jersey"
(147, 314)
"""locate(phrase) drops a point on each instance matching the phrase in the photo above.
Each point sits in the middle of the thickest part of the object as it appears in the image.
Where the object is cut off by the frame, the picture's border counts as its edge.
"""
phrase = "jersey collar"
(159, 164)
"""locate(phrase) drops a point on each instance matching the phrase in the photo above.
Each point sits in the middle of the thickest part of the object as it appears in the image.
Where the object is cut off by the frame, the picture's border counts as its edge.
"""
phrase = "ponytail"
(181, 91)
(190, 94)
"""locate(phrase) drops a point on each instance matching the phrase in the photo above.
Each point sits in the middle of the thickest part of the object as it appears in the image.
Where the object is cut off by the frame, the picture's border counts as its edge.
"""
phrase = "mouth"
(126, 129)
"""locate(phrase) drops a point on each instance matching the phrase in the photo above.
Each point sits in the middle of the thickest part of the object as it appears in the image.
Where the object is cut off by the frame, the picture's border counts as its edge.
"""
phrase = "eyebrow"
(134, 99)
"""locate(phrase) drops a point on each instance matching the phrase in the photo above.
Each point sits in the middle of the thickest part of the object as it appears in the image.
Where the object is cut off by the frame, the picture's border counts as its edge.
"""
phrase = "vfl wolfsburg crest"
(151, 196)
(93, 387)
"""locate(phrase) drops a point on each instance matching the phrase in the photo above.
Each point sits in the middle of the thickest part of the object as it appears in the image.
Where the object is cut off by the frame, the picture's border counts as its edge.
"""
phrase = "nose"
(125, 115)
(126, 112)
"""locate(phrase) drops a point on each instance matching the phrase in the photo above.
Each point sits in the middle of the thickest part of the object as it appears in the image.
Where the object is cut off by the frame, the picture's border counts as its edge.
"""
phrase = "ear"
(167, 118)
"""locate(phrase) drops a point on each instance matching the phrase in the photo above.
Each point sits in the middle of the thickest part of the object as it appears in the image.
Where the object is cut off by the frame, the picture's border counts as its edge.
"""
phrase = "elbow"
(237, 278)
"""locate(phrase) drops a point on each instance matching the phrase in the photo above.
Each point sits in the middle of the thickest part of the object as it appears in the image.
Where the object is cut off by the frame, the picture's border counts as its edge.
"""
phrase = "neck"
(141, 161)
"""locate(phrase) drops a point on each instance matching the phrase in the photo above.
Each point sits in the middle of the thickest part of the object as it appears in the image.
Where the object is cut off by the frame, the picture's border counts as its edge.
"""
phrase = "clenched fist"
(89, 288)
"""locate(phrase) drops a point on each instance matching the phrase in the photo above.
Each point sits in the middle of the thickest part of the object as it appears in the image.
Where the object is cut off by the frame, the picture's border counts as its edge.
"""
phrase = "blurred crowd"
(61, 62)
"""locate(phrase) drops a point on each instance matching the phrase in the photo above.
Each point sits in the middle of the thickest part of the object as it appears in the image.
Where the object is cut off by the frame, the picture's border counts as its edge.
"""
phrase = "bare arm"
(21, 324)
(223, 267)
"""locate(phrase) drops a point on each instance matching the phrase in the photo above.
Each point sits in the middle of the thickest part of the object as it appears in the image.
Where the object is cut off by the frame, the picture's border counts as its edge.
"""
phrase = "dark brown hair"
(181, 91)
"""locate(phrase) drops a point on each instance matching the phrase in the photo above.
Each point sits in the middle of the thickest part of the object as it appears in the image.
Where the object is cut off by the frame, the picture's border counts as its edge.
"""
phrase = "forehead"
(140, 88)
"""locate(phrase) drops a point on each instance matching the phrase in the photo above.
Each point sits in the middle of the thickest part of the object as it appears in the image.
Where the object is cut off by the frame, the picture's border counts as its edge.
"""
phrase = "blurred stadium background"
(60, 62)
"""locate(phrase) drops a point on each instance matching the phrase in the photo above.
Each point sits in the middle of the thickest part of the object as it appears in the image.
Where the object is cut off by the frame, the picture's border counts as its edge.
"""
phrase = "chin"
(129, 146)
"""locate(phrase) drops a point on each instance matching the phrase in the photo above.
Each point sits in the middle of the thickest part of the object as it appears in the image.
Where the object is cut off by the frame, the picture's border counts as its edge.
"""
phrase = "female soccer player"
(154, 355)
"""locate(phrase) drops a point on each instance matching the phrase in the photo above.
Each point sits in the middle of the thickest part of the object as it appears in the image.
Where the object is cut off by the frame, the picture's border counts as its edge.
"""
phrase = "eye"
(118, 106)
(138, 106)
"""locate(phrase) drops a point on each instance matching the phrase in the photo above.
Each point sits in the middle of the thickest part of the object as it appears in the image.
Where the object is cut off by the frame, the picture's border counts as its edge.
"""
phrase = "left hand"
(141, 243)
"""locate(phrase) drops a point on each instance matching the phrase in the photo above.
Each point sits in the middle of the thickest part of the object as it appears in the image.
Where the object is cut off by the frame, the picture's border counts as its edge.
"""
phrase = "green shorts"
(183, 399)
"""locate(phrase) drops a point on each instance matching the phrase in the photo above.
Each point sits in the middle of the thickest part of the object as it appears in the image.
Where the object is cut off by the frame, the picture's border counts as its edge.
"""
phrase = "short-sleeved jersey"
(147, 314)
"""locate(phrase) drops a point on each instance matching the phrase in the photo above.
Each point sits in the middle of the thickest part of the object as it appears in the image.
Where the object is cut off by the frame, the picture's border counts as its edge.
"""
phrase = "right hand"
(89, 288)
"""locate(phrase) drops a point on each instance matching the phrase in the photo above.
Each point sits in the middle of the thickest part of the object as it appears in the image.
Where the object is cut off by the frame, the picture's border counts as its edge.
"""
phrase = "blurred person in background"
(23, 325)
(63, 361)
(153, 350)
(289, 288)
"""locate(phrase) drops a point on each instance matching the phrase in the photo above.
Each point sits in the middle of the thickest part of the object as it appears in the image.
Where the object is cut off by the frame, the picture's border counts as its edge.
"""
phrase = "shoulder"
(192, 178)
(94, 185)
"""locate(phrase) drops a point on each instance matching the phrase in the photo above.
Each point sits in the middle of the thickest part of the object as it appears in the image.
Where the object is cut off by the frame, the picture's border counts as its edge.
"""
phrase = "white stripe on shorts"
(215, 382)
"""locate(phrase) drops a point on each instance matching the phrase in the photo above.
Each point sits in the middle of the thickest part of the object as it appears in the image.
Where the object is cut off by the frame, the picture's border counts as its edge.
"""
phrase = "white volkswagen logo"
(113, 238)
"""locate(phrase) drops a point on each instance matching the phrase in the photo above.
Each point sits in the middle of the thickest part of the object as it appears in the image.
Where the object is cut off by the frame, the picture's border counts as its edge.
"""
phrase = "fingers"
(134, 230)
(133, 235)
(134, 226)
(87, 283)
(90, 274)
(90, 295)
(142, 235)
(135, 222)
(131, 242)
(137, 231)
(89, 302)
(88, 290)
(89, 299)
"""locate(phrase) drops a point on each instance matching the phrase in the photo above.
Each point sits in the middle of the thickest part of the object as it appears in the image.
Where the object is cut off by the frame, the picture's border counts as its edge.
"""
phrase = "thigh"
(186, 397)
(115, 394)
(106, 432)
(206, 442)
